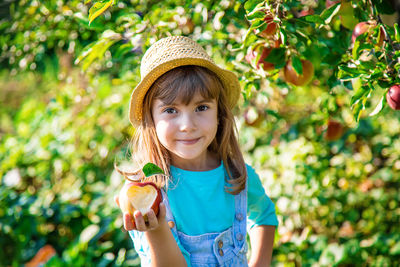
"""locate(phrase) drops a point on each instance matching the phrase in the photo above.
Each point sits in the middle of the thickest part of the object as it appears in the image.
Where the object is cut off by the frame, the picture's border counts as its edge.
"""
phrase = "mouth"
(188, 141)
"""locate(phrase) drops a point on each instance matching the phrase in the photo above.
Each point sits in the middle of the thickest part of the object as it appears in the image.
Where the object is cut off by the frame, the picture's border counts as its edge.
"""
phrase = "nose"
(187, 122)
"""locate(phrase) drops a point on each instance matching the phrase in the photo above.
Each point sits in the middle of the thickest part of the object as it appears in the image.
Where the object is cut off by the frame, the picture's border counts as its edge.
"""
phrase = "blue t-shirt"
(200, 204)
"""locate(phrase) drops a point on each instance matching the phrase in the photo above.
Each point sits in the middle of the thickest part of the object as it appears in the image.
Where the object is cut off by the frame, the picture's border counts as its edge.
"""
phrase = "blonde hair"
(184, 82)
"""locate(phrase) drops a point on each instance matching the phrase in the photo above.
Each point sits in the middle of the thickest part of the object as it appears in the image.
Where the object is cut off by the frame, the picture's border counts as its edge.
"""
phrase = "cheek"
(163, 131)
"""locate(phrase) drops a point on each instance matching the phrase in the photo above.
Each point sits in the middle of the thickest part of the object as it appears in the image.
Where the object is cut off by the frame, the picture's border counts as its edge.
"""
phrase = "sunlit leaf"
(397, 32)
(329, 13)
(98, 8)
(379, 107)
(252, 4)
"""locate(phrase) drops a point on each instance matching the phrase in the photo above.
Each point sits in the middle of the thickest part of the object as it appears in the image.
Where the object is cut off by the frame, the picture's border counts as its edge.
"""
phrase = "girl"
(182, 112)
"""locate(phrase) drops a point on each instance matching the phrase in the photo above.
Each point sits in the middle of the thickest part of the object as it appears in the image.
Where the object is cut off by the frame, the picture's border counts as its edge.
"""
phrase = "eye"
(202, 108)
(169, 110)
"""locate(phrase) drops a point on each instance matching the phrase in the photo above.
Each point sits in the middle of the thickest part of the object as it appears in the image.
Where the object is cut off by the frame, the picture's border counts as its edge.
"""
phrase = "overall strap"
(239, 223)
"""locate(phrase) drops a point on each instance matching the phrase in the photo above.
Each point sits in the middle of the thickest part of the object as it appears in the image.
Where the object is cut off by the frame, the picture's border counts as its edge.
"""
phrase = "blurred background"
(327, 150)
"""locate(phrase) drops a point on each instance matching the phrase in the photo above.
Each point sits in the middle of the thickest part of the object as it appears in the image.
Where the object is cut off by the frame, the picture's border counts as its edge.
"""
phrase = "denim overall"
(227, 248)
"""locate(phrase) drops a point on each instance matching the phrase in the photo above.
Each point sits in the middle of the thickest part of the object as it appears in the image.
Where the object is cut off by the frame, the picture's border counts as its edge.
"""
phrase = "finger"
(162, 212)
(152, 219)
(129, 224)
(139, 221)
(116, 199)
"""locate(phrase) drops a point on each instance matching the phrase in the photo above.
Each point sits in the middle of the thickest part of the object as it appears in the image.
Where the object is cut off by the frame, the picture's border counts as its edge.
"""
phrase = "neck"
(210, 162)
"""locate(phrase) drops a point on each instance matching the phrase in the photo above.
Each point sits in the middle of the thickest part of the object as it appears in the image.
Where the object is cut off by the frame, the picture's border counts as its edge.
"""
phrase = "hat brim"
(229, 80)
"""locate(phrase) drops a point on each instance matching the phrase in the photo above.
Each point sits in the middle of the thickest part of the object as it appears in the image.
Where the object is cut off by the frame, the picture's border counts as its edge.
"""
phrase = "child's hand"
(153, 221)
(137, 222)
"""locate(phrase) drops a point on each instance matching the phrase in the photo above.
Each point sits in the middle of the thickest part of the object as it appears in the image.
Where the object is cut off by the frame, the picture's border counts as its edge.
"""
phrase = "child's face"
(186, 131)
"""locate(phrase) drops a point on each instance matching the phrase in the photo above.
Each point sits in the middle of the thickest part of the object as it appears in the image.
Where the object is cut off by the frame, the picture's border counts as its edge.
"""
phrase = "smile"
(188, 141)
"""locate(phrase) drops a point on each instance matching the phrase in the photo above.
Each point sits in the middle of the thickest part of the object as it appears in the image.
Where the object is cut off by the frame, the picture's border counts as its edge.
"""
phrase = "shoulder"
(254, 183)
(250, 170)
(251, 174)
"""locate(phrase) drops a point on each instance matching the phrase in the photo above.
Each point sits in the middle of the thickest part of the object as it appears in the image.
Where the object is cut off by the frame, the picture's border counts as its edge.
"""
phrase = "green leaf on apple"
(151, 169)
(296, 63)
(277, 57)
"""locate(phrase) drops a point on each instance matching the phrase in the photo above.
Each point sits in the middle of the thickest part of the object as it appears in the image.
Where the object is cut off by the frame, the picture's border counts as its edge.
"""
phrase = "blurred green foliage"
(62, 128)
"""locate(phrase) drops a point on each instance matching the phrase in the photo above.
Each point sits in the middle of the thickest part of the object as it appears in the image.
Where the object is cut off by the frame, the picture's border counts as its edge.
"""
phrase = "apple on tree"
(291, 76)
(334, 130)
(393, 97)
(267, 66)
(271, 26)
(361, 28)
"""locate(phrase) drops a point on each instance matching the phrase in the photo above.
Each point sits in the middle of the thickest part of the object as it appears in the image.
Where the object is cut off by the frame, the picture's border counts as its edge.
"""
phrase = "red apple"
(141, 196)
(291, 76)
(271, 26)
(361, 28)
(393, 97)
(334, 130)
(267, 66)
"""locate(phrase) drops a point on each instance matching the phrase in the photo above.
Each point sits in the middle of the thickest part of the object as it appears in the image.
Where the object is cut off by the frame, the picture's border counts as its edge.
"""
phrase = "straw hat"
(169, 53)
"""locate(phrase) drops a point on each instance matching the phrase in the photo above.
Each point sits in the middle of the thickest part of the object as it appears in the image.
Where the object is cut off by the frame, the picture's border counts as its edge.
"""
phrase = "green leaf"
(357, 110)
(296, 63)
(249, 39)
(257, 24)
(355, 49)
(98, 8)
(252, 4)
(283, 35)
(97, 50)
(256, 15)
(312, 19)
(329, 13)
(151, 169)
(122, 50)
(397, 32)
(347, 73)
(277, 57)
(379, 107)
(384, 84)
(359, 94)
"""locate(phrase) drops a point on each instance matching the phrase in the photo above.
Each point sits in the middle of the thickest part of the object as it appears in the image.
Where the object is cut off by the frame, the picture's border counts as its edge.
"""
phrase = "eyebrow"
(203, 101)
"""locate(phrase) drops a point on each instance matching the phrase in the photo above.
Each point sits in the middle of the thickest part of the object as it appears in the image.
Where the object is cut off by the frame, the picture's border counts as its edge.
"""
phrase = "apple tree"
(311, 71)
